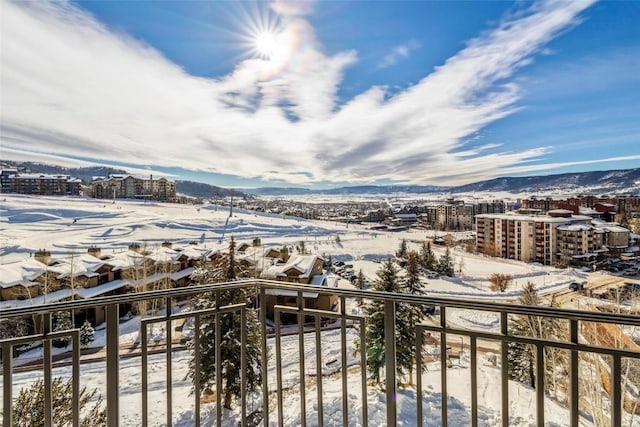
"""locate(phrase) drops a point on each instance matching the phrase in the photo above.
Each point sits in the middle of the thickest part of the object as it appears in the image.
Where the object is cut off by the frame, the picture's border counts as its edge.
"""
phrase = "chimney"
(284, 254)
(94, 251)
(257, 242)
(43, 256)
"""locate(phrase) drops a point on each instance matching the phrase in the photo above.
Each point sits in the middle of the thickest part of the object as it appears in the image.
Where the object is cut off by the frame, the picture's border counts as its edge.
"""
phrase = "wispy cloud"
(398, 53)
(71, 87)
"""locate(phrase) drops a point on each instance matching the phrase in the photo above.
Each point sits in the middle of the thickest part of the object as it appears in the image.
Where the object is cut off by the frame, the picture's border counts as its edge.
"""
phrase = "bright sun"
(266, 43)
(269, 45)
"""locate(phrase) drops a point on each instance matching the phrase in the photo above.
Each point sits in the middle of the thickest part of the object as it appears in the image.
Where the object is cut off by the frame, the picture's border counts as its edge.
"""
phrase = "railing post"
(47, 367)
(7, 371)
(504, 367)
(444, 363)
(263, 324)
(112, 371)
(616, 391)
(343, 354)
(573, 375)
(390, 359)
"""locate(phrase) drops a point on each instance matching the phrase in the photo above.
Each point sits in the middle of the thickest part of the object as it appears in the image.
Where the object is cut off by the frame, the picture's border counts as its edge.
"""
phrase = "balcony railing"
(311, 323)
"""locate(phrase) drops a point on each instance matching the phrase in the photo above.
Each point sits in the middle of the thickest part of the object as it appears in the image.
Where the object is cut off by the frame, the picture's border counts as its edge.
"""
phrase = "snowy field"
(70, 225)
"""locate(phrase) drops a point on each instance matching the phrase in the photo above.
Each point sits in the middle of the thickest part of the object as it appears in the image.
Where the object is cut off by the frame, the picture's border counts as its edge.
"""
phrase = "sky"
(322, 94)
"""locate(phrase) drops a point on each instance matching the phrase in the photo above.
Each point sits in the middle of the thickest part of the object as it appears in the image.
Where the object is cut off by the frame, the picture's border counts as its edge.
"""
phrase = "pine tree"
(446, 265)
(387, 281)
(522, 357)
(411, 314)
(402, 250)
(87, 334)
(28, 408)
(428, 259)
(229, 342)
(360, 282)
(62, 322)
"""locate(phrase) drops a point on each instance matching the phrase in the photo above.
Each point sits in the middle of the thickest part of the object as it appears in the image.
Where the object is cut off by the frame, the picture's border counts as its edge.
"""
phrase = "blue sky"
(323, 94)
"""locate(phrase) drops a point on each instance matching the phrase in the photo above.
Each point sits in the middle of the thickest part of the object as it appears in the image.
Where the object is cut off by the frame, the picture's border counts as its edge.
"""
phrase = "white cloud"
(71, 87)
(398, 53)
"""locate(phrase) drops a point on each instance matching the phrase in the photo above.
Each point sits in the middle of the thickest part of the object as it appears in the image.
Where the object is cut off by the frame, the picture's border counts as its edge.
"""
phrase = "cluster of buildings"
(14, 181)
(123, 186)
(449, 215)
(619, 204)
(119, 186)
(42, 278)
(555, 237)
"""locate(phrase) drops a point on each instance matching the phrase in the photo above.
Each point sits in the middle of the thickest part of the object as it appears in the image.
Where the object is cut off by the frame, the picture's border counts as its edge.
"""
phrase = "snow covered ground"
(71, 225)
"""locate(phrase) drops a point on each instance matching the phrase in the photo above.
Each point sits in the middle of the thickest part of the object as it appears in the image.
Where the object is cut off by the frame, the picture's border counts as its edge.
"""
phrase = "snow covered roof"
(78, 265)
(20, 273)
(576, 227)
(182, 273)
(42, 299)
(125, 259)
(327, 280)
(303, 263)
(615, 229)
(100, 289)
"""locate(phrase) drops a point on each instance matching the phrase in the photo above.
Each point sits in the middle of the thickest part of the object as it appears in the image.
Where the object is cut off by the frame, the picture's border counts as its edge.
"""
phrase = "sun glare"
(266, 44)
(269, 45)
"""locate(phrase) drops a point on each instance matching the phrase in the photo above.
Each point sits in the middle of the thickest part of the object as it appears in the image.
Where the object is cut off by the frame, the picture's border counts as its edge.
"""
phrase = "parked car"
(576, 286)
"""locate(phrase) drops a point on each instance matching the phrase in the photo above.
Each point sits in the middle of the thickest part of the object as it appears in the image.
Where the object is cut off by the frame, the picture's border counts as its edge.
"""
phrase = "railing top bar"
(570, 314)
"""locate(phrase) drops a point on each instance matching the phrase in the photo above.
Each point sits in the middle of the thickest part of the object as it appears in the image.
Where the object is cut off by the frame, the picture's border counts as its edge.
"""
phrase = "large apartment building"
(458, 215)
(14, 181)
(616, 204)
(558, 237)
(120, 186)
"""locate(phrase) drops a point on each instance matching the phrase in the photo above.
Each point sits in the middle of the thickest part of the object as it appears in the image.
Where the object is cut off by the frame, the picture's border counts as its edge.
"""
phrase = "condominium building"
(458, 215)
(548, 239)
(131, 187)
(14, 181)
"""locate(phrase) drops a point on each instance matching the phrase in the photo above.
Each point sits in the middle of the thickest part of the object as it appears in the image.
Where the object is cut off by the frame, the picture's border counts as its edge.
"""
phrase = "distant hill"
(84, 174)
(188, 188)
(205, 191)
(612, 181)
(618, 181)
(359, 189)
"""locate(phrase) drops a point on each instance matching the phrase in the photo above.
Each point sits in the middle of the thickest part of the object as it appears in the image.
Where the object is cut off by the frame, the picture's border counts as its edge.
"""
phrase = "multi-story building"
(548, 239)
(13, 181)
(619, 204)
(131, 187)
(457, 215)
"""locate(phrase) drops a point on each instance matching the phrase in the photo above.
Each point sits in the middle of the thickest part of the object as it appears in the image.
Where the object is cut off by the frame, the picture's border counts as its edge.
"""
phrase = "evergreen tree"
(428, 259)
(360, 282)
(522, 357)
(387, 281)
(411, 314)
(413, 284)
(231, 263)
(87, 333)
(62, 322)
(402, 250)
(446, 265)
(28, 408)
(229, 342)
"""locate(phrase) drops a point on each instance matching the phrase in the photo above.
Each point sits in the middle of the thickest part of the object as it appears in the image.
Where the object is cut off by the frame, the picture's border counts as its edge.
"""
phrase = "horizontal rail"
(276, 358)
(489, 306)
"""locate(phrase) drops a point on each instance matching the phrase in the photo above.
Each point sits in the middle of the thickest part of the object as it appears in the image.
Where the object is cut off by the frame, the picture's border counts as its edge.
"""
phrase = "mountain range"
(625, 181)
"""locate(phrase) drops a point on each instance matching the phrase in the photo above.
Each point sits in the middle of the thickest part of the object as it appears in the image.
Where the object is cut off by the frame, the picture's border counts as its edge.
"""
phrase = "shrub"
(500, 282)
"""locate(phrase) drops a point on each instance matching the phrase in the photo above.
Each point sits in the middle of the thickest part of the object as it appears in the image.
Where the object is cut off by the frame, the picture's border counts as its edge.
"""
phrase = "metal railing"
(311, 322)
